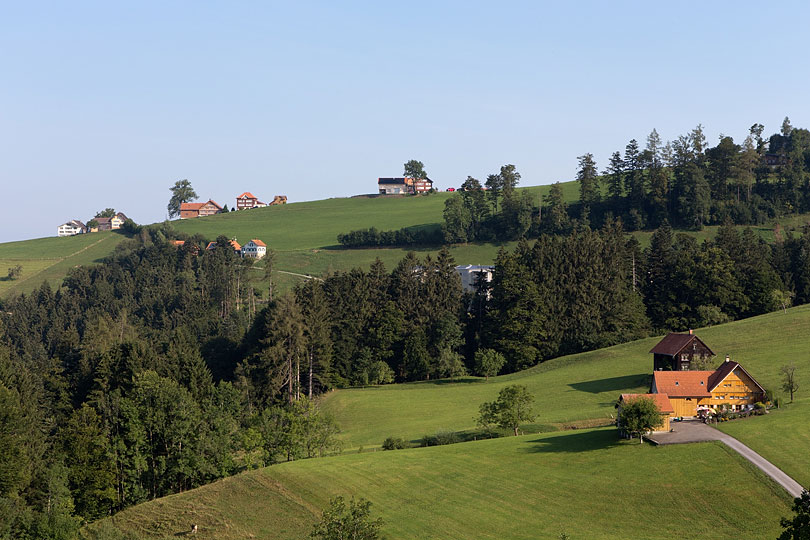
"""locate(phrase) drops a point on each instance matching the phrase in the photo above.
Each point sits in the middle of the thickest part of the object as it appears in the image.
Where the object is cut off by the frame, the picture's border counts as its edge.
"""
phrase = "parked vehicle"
(451, 189)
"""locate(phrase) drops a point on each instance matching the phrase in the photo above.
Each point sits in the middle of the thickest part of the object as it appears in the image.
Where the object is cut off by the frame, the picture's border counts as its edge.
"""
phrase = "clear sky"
(107, 104)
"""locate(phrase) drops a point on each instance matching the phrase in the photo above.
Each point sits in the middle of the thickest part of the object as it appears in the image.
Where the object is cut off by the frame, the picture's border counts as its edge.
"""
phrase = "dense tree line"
(407, 236)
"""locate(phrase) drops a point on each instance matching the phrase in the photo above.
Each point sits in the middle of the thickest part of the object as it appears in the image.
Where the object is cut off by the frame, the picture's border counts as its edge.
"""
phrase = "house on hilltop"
(677, 351)
(248, 200)
(111, 223)
(71, 228)
(194, 210)
(234, 244)
(402, 186)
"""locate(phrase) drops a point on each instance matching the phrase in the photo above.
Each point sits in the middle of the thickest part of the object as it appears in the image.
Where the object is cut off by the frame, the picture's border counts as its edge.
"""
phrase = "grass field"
(585, 483)
(566, 389)
(50, 259)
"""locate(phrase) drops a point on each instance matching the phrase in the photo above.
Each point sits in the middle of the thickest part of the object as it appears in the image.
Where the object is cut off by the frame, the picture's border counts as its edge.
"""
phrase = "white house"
(71, 228)
(255, 249)
(470, 274)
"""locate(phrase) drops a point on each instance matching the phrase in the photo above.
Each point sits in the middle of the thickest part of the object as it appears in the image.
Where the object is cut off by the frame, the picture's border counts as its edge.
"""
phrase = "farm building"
(111, 223)
(248, 200)
(402, 186)
(71, 228)
(730, 385)
(661, 400)
(471, 273)
(677, 351)
(255, 249)
(193, 210)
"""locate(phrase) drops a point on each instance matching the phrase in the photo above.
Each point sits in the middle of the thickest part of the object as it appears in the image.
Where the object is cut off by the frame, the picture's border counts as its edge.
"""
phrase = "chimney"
(728, 358)
(690, 331)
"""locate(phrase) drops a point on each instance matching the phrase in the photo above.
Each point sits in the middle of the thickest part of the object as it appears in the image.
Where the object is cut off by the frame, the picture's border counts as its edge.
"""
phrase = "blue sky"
(107, 104)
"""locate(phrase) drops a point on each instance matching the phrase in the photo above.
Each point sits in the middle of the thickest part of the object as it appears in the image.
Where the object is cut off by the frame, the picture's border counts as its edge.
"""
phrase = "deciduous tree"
(512, 408)
(182, 192)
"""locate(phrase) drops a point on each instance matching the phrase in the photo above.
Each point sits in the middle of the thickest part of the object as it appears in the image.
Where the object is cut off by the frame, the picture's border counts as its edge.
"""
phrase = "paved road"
(695, 431)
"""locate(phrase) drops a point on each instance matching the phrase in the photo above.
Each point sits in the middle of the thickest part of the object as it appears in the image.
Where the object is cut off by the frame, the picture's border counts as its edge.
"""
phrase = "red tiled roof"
(178, 242)
(683, 383)
(662, 400)
(246, 195)
(674, 343)
(211, 201)
(259, 243)
(191, 205)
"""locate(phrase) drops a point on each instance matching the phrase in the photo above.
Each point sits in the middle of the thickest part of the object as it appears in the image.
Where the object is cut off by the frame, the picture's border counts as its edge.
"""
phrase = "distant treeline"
(407, 236)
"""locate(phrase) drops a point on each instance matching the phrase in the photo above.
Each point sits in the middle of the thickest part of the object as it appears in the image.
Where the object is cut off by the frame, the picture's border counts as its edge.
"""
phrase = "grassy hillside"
(50, 259)
(566, 389)
(304, 236)
(585, 483)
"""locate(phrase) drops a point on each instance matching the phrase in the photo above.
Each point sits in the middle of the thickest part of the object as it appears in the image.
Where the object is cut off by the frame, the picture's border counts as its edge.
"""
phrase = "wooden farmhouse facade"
(729, 386)
(676, 352)
(193, 210)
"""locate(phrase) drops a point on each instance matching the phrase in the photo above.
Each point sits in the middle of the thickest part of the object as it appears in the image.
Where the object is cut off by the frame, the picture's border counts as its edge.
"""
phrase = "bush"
(441, 437)
(394, 443)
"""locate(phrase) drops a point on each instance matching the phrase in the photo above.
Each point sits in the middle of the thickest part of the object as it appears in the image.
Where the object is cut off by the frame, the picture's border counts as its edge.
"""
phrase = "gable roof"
(391, 181)
(211, 201)
(247, 195)
(101, 220)
(662, 400)
(259, 242)
(191, 205)
(674, 343)
(682, 383)
(725, 369)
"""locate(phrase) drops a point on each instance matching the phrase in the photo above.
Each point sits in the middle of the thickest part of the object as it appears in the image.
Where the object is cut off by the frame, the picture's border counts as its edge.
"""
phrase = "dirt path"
(299, 275)
(690, 431)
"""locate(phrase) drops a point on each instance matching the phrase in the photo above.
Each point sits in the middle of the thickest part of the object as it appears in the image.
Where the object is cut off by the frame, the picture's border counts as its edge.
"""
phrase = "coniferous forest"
(163, 368)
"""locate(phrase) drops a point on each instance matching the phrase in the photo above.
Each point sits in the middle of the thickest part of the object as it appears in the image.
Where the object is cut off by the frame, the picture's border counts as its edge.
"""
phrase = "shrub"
(394, 443)
(441, 437)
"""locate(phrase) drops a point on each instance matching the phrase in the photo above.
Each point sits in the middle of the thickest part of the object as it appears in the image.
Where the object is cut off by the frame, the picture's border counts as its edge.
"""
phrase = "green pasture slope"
(567, 389)
(585, 483)
(50, 259)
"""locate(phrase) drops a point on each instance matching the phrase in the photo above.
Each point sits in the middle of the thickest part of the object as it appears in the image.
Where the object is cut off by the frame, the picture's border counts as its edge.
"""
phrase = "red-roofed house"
(660, 399)
(255, 249)
(729, 385)
(248, 200)
(676, 351)
(193, 210)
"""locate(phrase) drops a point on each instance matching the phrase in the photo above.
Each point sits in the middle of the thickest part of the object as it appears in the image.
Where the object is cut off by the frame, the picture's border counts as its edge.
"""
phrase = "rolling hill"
(585, 482)
(303, 235)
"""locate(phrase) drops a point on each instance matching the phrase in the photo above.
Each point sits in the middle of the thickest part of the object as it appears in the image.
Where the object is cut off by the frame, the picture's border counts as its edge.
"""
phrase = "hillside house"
(234, 244)
(71, 228)
(255, 249)
(729, 386)
(402, 186)
(111, 223)
(661, 400)
(248, 200)
(677, 351)
(471, 273)
(194, 210)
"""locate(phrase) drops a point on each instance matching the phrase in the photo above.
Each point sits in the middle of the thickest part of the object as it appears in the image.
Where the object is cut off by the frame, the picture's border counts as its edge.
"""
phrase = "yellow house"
(690, 391)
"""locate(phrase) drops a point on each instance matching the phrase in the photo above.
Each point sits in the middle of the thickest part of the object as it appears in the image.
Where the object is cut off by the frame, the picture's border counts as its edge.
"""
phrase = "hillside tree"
(640, 416)
(488, 363)
(512, 408)
(182, 192)
(415, 169)
(789, 383)
(798, 528)
(347, 522)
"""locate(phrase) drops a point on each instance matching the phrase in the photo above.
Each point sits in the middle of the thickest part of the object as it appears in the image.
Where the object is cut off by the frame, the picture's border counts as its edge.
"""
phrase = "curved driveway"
(690, 431)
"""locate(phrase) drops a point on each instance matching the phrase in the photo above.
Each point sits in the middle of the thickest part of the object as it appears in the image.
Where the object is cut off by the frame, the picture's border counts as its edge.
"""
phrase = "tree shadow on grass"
(576, 441)
(612, 384)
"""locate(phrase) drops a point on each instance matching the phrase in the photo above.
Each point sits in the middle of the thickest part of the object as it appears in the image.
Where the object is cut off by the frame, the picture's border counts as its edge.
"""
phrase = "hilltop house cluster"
(74, 226)
(245, 201)
(404, 186)
(683, 393)
(254, 249)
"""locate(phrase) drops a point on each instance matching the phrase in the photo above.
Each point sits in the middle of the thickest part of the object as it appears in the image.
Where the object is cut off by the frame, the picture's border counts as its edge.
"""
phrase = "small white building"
(470, 274)
(255, 249)
(71, 228)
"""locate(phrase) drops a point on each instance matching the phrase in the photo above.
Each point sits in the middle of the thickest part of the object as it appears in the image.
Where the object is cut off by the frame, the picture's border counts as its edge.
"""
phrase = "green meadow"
(585, 483)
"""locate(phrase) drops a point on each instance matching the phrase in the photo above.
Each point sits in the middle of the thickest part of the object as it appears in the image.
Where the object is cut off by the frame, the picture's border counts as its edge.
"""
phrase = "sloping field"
(585, 483)
(570, 388)
(50, 259)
